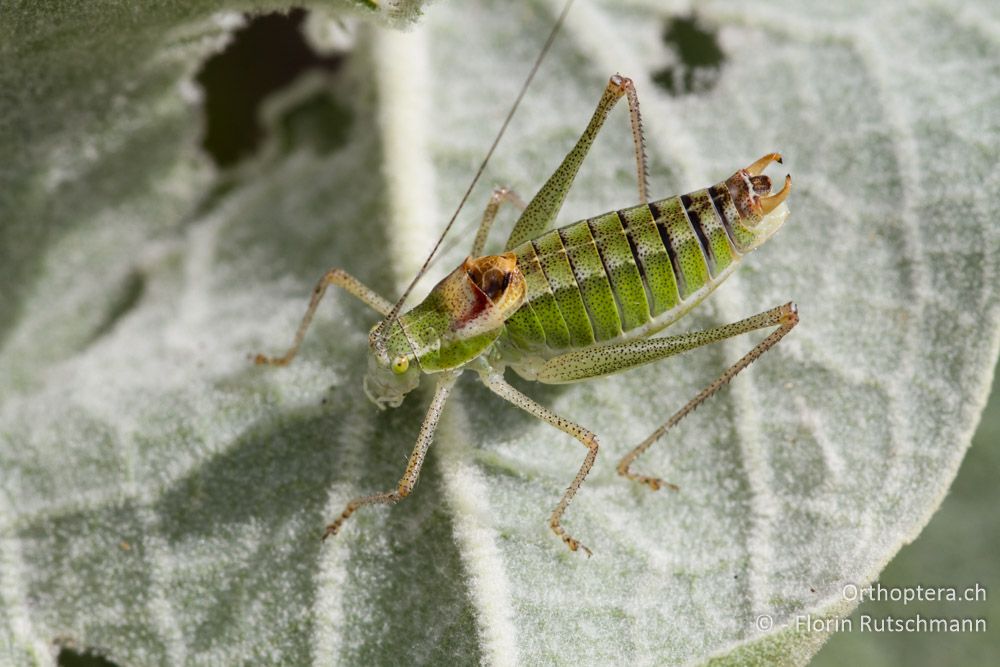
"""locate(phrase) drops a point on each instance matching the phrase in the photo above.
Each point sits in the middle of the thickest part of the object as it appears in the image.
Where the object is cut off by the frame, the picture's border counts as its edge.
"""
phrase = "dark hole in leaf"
(319, 122)
(697, 49)
(264, 56)
(72, 658)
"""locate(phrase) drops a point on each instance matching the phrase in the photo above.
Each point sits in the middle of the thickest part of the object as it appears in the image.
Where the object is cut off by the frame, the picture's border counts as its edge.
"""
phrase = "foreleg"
(341, 279)
(409, 479)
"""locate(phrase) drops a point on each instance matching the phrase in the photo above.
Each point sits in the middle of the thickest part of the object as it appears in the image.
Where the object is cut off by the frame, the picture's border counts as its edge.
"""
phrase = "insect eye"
(399, 365)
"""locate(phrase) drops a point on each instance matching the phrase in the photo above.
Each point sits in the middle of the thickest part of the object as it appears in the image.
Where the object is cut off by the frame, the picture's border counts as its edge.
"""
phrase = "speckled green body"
(623, 274)
(569, 304)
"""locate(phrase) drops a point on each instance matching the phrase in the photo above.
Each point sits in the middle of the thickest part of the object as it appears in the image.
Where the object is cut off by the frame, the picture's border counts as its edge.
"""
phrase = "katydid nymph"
(568, 304)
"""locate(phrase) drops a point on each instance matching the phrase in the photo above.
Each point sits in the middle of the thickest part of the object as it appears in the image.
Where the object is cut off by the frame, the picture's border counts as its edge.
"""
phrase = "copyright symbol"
(764, 622)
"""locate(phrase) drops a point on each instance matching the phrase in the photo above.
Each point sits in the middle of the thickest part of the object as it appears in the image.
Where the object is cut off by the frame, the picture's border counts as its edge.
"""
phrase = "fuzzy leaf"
(161, 499)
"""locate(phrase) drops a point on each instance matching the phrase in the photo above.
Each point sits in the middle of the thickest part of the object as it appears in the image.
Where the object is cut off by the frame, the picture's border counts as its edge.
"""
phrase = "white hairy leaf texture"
(161, 499)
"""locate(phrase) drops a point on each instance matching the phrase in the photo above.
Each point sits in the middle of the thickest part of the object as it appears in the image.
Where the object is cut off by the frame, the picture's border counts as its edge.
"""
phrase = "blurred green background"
(959, 547)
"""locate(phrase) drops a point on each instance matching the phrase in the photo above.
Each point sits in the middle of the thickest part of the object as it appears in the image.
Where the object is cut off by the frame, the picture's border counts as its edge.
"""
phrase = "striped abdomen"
(594, 280)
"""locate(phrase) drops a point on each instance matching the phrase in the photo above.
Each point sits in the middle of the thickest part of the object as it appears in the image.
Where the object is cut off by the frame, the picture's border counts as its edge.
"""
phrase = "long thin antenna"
(379, 333)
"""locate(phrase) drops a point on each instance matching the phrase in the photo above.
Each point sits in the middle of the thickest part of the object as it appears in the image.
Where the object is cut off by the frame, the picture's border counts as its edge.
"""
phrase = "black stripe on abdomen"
(717, 196)
(699, 231)
(657, 214)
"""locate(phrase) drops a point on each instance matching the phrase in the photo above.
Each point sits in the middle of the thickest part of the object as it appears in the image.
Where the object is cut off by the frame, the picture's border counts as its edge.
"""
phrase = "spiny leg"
(607, 359)
(338, 278)
(409, 478)
(499, 196)
(786, 317)
(498, 385)
(542, 210)
(639, 139)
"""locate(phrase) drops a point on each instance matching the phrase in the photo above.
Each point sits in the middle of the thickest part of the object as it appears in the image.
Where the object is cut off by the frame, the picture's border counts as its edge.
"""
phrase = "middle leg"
(499, 386)
(500, 195)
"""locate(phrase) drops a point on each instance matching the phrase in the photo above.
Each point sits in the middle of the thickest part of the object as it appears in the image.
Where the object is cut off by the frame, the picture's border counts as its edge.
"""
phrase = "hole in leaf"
(264, 56)
(318, 121)
(699, 56)
(72, 658)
